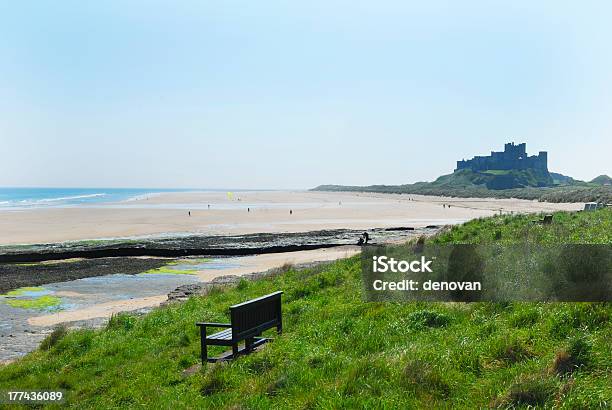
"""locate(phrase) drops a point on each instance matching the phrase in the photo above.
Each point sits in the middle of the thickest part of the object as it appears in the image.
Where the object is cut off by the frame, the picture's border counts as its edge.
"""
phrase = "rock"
(190, 371)
(226, 280)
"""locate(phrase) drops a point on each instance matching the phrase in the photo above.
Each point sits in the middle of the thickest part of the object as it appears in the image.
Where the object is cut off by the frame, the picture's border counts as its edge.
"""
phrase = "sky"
(290, 95)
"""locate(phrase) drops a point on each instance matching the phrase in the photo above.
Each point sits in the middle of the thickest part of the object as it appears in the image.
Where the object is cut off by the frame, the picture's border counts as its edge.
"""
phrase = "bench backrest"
(254, 316)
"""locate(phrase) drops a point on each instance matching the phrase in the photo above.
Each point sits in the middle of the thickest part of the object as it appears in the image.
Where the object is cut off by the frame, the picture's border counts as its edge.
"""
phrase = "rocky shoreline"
(19, 338)
(35, 265)
(14, 276)
(184, 292)
(24, 339)
(201, 245)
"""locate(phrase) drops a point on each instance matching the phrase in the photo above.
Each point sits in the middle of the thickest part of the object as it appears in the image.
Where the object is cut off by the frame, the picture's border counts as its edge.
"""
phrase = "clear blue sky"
(287, 94)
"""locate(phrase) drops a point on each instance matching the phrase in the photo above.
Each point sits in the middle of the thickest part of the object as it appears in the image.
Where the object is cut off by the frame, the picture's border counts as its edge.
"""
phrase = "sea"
(26, 198)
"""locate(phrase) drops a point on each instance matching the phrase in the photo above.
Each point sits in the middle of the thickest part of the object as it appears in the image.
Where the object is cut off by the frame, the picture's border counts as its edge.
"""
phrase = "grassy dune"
(340, 352)
(460, 187)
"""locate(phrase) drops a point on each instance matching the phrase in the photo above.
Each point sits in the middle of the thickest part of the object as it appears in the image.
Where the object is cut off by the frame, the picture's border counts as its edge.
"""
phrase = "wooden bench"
(248, 320)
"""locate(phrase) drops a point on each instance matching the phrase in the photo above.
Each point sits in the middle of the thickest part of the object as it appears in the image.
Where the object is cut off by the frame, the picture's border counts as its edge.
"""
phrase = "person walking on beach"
(189, 213)
(291, 212)
(248, 209)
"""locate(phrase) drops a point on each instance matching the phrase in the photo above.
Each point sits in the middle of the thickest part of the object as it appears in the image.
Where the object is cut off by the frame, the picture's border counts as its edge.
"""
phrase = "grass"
(464, 185)
(54, 337)
(567, 227)
(338, 351)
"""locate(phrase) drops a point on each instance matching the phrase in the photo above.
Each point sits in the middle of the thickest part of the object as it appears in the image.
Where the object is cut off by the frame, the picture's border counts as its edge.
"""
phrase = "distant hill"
(602, 180)
(496, 179)
(559, 193)
(560, 179)
(522, 184)
(508, 174)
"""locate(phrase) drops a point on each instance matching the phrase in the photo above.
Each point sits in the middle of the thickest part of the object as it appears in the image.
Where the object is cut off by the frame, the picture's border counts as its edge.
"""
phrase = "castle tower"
(542, 162)
(514, 156)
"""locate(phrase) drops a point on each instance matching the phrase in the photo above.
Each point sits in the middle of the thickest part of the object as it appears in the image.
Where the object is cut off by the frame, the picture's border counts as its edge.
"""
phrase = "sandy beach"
(249, 212)
(89, 299)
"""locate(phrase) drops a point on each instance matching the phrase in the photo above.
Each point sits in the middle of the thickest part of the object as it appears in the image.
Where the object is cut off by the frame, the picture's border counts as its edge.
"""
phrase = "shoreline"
(251, 222)
(249, 212)
(43, 264)
(28, 328)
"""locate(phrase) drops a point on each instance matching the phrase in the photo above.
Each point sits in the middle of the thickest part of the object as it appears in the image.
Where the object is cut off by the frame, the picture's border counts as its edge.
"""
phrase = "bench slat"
(251, 316)
(222, 335)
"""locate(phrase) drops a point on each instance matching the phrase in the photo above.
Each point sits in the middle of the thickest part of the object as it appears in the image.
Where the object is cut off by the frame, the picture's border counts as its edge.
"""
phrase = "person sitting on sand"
(363, 239)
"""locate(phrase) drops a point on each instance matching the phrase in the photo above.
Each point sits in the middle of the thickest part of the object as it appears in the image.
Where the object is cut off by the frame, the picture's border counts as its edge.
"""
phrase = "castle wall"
(513, 157)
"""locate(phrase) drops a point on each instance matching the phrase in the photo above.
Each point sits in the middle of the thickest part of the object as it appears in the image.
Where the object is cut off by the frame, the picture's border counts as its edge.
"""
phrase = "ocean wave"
(143, 196)
(32, 203)
(69, 198)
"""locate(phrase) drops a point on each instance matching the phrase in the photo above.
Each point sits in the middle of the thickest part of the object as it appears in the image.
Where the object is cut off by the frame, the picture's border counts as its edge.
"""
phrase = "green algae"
(165, 270)
(168, 269)
(23, 291)
(26, 298)
(51, 262)
(197, 261)
(40, 303)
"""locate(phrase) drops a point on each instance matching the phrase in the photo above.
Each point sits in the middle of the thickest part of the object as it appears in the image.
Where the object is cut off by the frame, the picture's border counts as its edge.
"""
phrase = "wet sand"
(249, 212)
(13, 276)
(240, 266)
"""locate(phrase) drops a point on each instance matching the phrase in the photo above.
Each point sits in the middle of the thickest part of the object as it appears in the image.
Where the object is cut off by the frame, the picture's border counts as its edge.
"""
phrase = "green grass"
(496, 172)
(338, 351)
(494, 184)
(567, 227)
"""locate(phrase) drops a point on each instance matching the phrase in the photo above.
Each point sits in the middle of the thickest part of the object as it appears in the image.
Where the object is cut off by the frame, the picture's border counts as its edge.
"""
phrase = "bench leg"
(248, 344)
(279, 328)
(234, 351)
(203, 346)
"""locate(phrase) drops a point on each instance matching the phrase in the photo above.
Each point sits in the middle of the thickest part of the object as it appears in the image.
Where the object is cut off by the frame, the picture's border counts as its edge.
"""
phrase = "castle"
(513, 157)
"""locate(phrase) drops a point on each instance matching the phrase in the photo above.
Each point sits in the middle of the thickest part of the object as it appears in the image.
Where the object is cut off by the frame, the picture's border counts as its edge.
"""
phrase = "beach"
(249, 212)
(86, 292)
